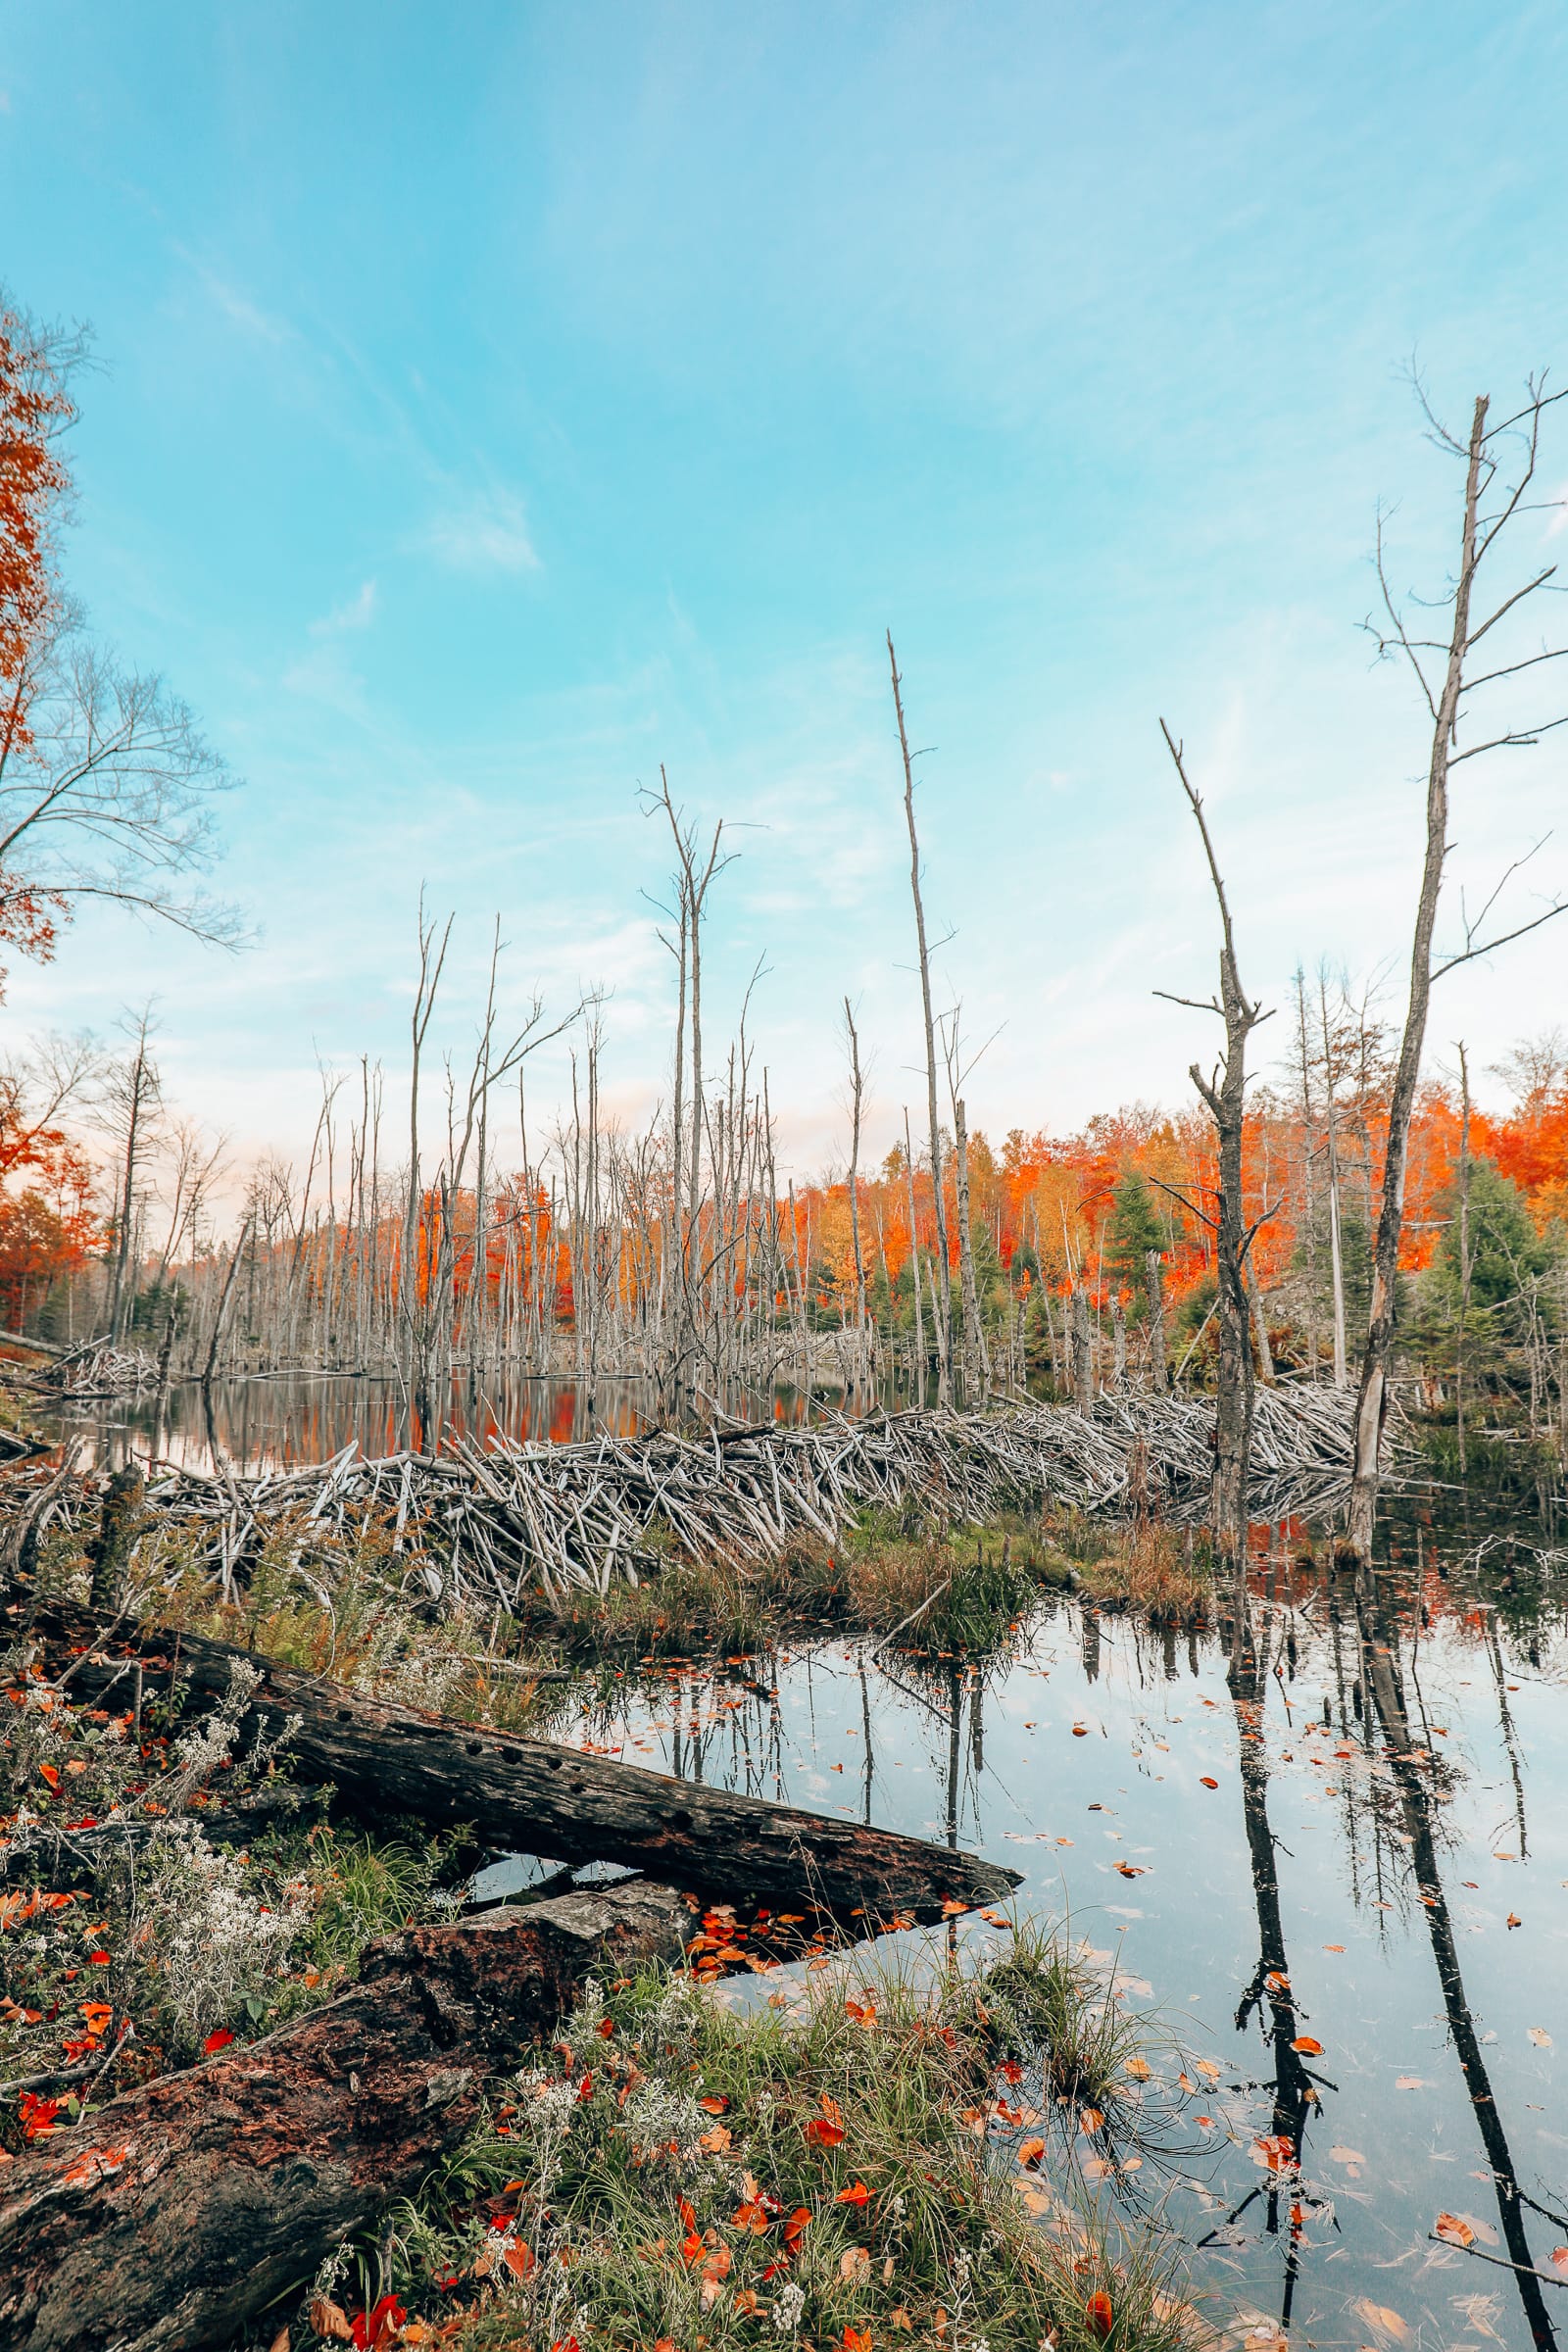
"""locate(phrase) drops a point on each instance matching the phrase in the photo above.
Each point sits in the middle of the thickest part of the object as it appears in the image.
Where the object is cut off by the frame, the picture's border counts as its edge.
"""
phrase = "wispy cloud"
(486, 533)
(322, 673)
(237, 307)
(356, 614)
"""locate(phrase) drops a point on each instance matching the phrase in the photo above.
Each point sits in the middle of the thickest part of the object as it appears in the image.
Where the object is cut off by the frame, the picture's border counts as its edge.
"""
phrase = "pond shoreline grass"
(909, 2151)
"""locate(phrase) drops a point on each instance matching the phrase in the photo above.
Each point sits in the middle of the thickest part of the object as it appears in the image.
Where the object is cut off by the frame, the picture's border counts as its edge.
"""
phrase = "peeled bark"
(184, 2208)
(533, 1796)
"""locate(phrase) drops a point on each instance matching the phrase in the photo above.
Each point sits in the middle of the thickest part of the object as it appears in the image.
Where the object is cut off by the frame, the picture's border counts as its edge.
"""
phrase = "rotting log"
(536, 1798)
(182, 2209)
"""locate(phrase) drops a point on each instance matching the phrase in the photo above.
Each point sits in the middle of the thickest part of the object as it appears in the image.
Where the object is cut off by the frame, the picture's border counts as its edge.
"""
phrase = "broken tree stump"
(533, 1796)
(181, 2210)
(109, 1552)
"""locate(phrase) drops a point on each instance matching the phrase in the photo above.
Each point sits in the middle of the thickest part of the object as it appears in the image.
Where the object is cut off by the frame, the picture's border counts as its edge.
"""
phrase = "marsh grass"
(882, 2156)
(938, 1586)
(1154, 1570)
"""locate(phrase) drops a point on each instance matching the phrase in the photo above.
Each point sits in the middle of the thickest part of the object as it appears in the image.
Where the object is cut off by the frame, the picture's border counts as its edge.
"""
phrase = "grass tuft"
(885, 2156)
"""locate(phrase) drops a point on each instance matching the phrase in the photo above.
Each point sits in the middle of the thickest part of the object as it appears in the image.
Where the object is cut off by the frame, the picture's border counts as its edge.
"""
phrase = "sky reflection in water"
(1349, 1880)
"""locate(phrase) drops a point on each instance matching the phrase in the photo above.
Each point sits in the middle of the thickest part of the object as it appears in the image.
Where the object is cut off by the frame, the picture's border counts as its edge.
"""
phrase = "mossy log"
(179, 2211)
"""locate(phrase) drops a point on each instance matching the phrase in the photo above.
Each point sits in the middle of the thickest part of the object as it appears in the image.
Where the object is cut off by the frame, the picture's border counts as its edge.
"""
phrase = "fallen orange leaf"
(856, 2194)
(1453, 2230)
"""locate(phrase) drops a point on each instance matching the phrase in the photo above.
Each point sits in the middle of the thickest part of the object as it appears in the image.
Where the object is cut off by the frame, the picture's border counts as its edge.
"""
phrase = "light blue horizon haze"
(497, 402)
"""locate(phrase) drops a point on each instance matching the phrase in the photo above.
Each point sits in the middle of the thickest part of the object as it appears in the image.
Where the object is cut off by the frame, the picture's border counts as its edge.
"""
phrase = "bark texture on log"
(539, 1798)
(179, 2211)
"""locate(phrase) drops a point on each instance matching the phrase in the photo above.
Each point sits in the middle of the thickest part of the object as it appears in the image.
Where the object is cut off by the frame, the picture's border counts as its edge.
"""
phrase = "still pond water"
(269, 1423)
(1296, 1875)
(1348, 1830)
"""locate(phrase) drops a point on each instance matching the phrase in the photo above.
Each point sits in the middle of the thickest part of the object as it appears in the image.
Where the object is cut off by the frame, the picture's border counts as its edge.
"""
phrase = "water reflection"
(1371, 1745)
(271, 1423)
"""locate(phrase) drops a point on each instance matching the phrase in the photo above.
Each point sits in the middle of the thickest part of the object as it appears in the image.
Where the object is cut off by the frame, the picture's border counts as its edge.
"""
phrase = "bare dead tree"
(694, 876)
(857, 1103)
(977, 1354)
(432, 960)
(1501, 465)
(943, 1271)
(914, 1267)
(131, 1099)
(1224, 1095)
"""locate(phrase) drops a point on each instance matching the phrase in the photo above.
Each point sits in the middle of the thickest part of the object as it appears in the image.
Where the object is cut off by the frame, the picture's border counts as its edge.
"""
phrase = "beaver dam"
(509, 1519)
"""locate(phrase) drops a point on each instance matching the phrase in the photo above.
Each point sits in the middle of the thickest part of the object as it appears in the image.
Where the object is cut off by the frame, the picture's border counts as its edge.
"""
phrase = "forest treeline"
(1093, 1261)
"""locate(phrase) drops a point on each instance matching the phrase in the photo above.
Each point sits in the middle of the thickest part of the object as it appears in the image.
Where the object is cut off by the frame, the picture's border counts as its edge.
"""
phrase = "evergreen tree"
(1133, 1230)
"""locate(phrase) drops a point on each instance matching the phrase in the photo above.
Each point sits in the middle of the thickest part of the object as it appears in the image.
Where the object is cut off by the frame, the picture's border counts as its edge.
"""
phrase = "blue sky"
(499, 400)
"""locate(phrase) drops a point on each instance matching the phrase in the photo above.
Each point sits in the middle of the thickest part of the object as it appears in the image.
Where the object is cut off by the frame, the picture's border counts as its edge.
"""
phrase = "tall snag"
(1224, 1094)
(1449, 708)
(944, 1272)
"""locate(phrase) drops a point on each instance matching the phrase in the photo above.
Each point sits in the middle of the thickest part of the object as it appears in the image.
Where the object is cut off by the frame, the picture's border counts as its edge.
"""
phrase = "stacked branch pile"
(505, 1521)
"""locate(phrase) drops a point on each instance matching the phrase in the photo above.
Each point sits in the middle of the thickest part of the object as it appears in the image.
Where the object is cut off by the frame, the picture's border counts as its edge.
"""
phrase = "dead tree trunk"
(1158, 1367)
(1478, 536)
(1083, 1354)
(109, 1552)
(532, 1796)
(856, 1104)
(977, 1354)
(1448, 709)
(944, 1274)
(1224, 1093)
(184, 2208)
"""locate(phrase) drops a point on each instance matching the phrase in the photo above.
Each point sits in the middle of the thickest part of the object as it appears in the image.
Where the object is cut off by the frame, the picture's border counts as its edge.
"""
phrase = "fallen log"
(536, 1798)
(181, 2210)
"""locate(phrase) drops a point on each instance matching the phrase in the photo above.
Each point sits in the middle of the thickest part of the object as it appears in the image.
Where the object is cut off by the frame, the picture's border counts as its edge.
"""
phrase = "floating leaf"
(1452, 2230)
(1031, 2151)
(1308, 2046)
(1382, 2318)
(1139, 2069)
(1541, 2038)
(1206, 1783)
